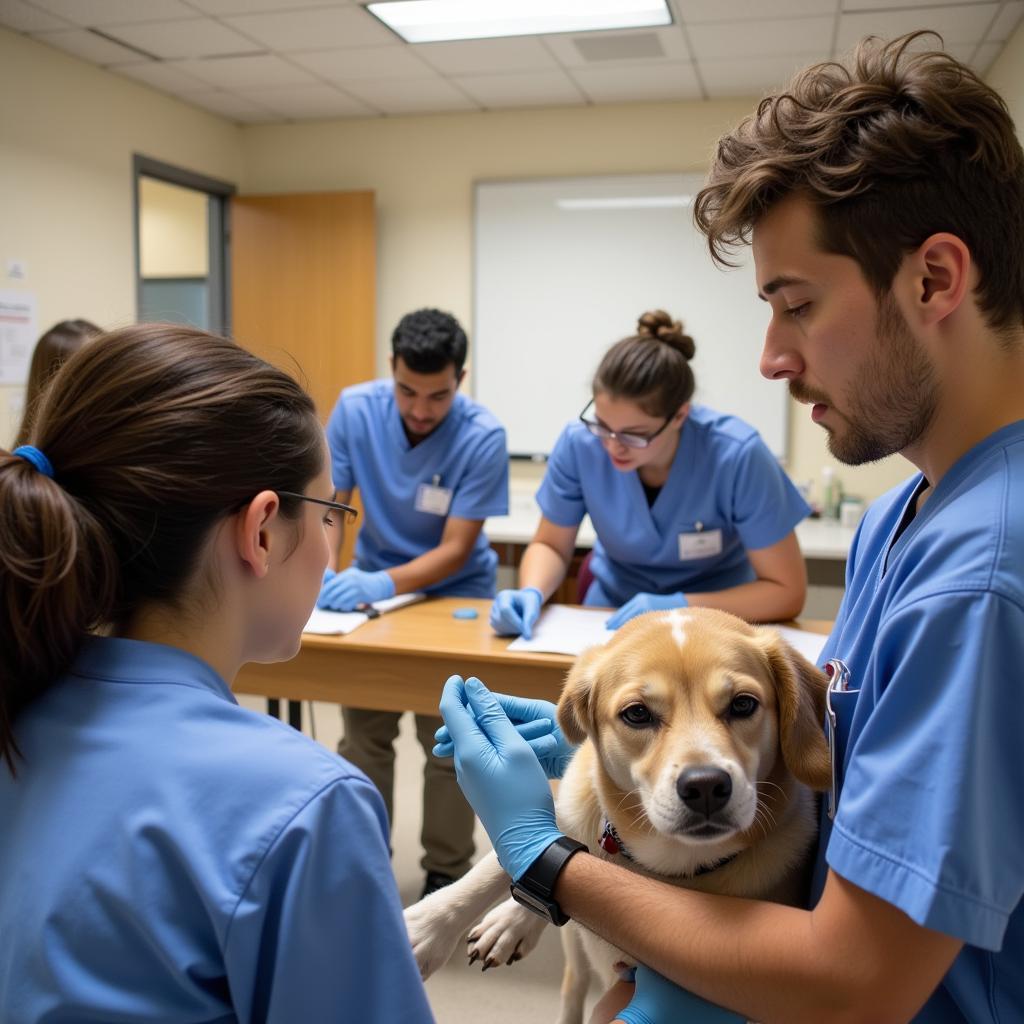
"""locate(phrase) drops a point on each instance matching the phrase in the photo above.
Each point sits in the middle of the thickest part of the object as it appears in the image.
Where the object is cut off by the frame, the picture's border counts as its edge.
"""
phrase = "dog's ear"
(800, 687)
(575, 707)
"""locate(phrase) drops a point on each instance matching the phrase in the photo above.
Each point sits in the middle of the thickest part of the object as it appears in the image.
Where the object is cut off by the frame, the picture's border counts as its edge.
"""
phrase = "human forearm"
(771, 962)
(431, 567)
(542, 567)
(757, 601)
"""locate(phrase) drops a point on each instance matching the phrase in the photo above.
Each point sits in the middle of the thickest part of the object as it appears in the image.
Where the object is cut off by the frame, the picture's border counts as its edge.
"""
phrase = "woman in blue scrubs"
(167, 855)
(689, 505)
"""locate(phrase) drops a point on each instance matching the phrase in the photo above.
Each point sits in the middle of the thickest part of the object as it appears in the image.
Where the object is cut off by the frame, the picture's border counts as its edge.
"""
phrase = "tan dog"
(701, 744)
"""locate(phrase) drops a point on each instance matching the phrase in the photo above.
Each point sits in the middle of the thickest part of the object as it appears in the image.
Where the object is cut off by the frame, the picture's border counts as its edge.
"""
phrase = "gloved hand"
(515, 612)
(342, 591)
(640, 603)
(658, 1001)
(499, 775)
(537, 722)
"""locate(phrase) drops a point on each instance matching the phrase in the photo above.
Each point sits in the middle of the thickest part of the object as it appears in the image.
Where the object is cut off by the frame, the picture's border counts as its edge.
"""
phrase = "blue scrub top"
(168, 856)
(931, 814)
(723, 478)
(466, 454)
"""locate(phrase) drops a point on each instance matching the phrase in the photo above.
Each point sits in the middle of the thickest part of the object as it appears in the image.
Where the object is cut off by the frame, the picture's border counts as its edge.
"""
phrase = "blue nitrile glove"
(640, 603)
(515, 612)
(499, 775)
(658, 1001)
(537, 722)
(342, 591)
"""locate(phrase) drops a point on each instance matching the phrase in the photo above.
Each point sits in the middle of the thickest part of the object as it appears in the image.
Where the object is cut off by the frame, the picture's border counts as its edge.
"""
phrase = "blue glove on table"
(640, 603)
(658, 1001)
(537, 722)
(515, 612)
(499, 775)
(342, 591)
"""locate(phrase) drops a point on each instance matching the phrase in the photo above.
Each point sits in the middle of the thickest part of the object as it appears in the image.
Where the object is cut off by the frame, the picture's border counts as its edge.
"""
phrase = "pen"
(368, 610)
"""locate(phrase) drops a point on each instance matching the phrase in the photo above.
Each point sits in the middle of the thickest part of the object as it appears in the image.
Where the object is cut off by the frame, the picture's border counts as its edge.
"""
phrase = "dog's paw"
(505, 935)
(432, 935)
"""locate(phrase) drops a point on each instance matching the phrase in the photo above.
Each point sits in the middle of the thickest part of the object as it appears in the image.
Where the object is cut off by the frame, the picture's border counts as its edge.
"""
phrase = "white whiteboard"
(563, 268)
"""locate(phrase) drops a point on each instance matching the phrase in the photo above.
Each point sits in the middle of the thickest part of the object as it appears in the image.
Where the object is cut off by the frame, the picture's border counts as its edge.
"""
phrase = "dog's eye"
(743, 706)
(638, 716)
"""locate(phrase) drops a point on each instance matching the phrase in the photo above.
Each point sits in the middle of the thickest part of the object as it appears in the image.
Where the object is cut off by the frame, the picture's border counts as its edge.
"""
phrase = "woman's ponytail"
(58, 578)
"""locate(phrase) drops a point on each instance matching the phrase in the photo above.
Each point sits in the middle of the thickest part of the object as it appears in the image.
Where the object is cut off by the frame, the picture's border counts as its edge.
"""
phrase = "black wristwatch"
(535, 888)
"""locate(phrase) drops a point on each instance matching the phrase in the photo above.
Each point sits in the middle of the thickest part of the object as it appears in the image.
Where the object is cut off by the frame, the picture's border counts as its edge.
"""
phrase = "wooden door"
(303, 287)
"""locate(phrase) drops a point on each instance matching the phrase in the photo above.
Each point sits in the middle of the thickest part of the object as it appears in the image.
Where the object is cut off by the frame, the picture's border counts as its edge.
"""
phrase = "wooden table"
(400, 661)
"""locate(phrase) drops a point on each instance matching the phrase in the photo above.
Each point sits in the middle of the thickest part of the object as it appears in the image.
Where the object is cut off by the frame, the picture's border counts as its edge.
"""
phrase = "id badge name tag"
(433, 499)
(700, 544)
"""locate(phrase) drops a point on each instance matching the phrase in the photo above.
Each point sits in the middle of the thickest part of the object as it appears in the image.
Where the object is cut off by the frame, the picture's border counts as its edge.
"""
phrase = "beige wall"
(173, 230)
(67, 134)
(65, 186)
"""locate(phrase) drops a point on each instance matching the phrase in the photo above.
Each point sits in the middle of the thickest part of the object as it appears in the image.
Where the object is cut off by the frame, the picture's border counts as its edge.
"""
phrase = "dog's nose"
(704, 789)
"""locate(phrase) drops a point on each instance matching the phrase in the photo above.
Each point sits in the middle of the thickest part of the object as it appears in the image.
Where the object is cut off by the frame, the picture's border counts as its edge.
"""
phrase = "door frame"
(219, 227)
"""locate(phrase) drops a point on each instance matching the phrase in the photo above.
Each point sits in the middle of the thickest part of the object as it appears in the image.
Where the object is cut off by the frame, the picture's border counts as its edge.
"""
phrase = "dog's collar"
(612, 844)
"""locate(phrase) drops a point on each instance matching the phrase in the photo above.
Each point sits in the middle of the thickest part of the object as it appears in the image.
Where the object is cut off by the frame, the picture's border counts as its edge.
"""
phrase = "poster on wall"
(17, 335)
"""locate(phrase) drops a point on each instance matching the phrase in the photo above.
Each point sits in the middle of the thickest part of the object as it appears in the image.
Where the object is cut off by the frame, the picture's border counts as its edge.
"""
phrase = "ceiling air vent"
(634, 46)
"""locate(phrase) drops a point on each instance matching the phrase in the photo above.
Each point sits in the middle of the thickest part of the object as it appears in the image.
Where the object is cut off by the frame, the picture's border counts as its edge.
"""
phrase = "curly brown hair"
(900, 145)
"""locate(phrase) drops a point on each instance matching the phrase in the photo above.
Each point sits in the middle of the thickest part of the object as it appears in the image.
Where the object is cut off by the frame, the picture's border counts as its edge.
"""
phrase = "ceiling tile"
(985, 57)
(264, 70)
(89, 46)
(536, 89)
(100, 13)
(235, 108)
(629, 83)
(316, 101)
(1006, 21)
(487, 56)
(196, 37)
(762, 38)
(18, 15)
(751, 76)
(320, 29)
(221, 7)
(411, 96)
(890, 5)
(351, 65)
(960, 24)
(695, 11)
(167, 76)
(672, 40)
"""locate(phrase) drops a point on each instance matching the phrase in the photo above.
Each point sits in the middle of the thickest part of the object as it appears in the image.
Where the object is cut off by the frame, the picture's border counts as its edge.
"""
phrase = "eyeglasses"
(348, 512)
(598, 429)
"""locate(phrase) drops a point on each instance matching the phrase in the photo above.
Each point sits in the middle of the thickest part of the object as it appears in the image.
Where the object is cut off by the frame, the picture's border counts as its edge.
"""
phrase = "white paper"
(808, 644)
(562, 629)
(17, 335)
(328, 623)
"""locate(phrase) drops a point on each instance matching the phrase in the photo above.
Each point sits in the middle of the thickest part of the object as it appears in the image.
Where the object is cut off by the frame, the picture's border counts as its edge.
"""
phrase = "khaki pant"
(447, 834)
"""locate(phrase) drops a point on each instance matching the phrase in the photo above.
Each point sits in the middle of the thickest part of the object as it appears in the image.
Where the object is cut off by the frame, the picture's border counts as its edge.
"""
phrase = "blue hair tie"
(36, 457)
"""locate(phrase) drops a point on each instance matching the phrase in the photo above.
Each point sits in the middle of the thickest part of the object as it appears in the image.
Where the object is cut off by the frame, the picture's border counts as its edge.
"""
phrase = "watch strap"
(535, 887)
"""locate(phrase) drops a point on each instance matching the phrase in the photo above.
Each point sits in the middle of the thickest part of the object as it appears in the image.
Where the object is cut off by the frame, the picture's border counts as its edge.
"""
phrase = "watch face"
(547, 909)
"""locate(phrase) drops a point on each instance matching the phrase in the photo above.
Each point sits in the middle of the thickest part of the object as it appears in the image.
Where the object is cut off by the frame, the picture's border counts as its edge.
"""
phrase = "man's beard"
(891, 403)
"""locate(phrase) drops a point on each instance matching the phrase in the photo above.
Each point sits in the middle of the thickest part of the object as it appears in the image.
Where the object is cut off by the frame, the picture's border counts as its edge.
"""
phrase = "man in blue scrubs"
(431, 465)
(885, 204)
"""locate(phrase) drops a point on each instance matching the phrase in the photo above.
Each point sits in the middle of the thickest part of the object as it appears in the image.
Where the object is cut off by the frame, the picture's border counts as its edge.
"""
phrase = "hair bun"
(659, 326)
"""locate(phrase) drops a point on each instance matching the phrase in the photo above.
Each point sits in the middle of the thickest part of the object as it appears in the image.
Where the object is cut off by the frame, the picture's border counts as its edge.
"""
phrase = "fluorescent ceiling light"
(431, 21)
(624, 203)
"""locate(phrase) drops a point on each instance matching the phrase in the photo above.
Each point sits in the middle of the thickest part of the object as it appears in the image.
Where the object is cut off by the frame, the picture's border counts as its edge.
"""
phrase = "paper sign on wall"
(17, 335)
